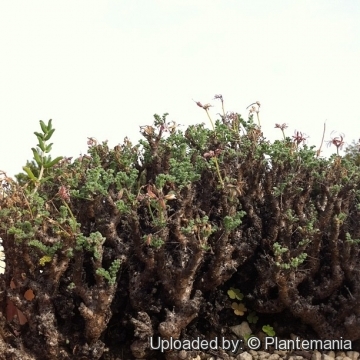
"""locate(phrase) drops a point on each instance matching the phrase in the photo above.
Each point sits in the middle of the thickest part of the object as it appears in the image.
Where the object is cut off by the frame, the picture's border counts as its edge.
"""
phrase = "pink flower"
(299, 137)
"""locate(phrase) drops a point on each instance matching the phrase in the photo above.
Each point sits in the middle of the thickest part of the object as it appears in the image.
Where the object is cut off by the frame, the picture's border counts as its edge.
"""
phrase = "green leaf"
(239, 309)
(37, 157)
(45, 259)
(49, 125)
(48, 148)
(44, 128)
(268, 330)
(45, 179)
(41, 144)
(252, 318)
(235, 294)
(29, 173)
(53, 162)
(39, 136)
(49, 134)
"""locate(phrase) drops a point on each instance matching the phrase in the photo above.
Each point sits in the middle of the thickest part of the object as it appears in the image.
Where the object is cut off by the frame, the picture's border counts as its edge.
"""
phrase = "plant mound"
(144, 240)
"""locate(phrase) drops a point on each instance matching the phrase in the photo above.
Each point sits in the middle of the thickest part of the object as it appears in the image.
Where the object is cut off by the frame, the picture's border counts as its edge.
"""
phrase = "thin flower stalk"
(206, 108)
(337, 141)
(318, 152)
(253, 109)
(282, 127)
(219, 96)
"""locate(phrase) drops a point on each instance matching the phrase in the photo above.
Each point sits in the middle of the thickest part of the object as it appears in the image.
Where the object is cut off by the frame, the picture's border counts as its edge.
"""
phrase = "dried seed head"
(92, 141)
(147, 130)
(63, 193)
(219, 96)
(282, 126)
(209, 154)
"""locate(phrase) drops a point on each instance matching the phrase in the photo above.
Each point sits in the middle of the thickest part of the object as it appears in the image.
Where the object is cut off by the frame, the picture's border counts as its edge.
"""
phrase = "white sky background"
(103, 68)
